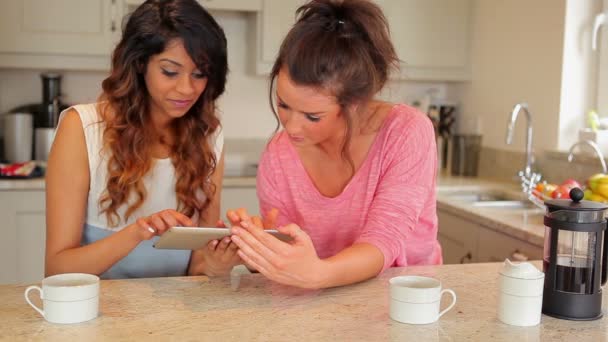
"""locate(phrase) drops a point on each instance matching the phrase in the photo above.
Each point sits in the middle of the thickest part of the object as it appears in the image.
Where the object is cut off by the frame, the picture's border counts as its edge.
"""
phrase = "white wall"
(580, 73)
(536, 52)
(244, 106)
(516, 56)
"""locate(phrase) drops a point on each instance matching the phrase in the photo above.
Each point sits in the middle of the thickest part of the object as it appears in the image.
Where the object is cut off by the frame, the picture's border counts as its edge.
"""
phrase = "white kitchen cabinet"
(22, 245)
(458, 238)
(432, 37)
(23, 214)
(70, 34)
(496, 247)
(273, 22)
(464, 241)
(234, 197)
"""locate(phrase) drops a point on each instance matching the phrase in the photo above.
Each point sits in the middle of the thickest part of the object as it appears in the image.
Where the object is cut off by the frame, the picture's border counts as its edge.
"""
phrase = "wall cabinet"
(273, 23)
(432, 37)
(465, 241)
(23, 240)
(70, 34)
(73, 34)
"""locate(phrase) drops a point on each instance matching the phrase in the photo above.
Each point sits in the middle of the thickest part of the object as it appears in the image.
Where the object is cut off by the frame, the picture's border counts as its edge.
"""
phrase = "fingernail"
(236, 230)
(151, 230)
(235, 238)
(244, 224)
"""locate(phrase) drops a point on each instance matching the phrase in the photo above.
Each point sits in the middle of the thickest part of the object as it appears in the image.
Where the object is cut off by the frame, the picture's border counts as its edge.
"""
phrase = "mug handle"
(453, 301)
(27, 299)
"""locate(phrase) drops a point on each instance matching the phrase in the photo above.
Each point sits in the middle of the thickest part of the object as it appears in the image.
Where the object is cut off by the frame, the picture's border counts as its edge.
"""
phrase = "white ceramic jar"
(520, 298)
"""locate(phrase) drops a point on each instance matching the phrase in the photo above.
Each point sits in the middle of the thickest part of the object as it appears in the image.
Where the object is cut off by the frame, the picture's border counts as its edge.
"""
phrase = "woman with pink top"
(352, 177)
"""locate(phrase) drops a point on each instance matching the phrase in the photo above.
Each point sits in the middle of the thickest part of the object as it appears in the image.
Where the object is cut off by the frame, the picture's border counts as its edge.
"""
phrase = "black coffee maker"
(46, 113)
(574, 258)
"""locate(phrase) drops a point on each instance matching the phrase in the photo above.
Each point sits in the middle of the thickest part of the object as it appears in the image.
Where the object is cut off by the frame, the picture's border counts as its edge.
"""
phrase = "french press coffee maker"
(574, 258)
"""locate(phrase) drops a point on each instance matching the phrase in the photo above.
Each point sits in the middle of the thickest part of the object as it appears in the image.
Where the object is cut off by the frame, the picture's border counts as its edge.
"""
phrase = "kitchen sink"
(508, 204)
(478, 197)
(490, 198)
(482, 195)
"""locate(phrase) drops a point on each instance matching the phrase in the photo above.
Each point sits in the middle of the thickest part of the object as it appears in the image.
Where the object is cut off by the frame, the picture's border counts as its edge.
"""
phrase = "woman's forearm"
(95, 258)
(357, 263)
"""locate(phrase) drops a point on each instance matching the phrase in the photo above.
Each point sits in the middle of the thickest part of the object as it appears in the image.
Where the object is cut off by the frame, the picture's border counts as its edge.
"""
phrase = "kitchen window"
(602, 49)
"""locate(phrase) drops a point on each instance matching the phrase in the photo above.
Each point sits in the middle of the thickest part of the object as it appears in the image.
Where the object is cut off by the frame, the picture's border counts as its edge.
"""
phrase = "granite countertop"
(522, 223)
(199, 308)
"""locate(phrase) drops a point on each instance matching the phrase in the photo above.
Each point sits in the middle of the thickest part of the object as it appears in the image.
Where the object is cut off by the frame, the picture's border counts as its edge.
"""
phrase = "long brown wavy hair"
(343, 46)
(125, 107)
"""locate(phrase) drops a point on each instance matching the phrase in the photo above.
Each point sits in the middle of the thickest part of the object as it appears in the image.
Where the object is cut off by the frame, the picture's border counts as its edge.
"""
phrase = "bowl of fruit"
(595, 189)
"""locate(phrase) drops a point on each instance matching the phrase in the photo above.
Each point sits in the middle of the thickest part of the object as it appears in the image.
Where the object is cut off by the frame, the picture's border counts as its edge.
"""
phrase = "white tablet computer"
(198, 237)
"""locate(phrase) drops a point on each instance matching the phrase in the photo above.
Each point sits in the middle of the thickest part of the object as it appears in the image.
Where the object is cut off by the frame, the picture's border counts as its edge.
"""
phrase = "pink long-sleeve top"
(389, 202)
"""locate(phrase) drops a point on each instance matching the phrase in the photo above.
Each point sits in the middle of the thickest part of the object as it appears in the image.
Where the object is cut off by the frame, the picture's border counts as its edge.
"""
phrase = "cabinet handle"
(600, 20)
(113, 15)
(467, 257)
(518, 256)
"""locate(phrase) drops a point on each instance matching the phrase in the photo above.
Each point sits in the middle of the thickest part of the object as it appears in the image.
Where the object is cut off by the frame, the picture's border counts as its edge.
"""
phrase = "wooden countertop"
(199, 308)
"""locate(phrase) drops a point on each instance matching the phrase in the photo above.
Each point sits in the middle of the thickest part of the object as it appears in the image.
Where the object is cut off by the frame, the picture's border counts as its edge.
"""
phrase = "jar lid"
(520, 270)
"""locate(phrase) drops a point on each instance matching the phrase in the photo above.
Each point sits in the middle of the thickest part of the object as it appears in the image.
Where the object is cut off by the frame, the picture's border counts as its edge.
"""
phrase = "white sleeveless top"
(159, 182)
(144, 260)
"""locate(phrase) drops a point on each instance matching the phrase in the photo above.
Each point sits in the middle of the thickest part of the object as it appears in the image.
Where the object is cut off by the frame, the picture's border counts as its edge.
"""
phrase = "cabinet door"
(458, 238)
(495, 247)
(239, 197)
(432, 37)
(60, 27)
(273, 22)
(22, 247)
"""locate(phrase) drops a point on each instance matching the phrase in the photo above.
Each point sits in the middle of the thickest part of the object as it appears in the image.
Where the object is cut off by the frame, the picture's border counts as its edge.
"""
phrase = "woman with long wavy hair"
(147, 156)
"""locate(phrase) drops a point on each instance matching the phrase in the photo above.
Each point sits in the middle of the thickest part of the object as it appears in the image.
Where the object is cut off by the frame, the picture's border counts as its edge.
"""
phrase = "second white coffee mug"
(67, 298)
(417, 300)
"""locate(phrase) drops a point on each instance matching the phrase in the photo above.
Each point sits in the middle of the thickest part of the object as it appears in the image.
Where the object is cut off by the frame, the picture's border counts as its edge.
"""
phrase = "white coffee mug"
(68, 298)
(416, 299)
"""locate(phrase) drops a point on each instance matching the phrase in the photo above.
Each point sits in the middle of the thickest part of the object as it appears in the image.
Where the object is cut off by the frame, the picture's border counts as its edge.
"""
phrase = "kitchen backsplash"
(554, 167)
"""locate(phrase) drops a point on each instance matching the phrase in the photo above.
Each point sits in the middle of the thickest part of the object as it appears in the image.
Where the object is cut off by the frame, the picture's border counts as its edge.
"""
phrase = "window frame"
(602, 80)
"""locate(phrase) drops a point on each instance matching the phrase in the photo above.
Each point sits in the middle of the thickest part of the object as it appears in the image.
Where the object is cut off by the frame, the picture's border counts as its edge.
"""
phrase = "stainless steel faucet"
(529, 159)
(595, 148)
